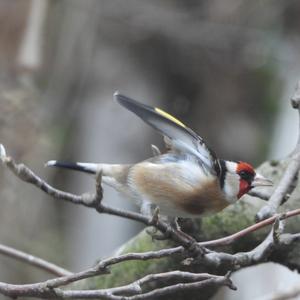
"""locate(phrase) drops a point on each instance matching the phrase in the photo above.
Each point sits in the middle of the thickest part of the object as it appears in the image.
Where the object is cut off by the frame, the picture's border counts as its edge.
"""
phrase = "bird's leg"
(149, 209)
(191, 227)
(154, 219)
(153, 210)
(174, 223)
(155, 215)
(193, 248)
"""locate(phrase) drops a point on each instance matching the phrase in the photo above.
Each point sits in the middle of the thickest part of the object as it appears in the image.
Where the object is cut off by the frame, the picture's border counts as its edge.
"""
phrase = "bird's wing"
(179, 137)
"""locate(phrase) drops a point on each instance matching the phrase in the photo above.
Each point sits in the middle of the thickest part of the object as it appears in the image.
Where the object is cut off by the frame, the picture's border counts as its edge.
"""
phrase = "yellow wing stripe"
(168, 116)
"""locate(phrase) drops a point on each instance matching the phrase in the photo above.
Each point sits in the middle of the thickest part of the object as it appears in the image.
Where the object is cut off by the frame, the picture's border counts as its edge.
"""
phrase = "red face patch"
(247, 174)
(244, 188)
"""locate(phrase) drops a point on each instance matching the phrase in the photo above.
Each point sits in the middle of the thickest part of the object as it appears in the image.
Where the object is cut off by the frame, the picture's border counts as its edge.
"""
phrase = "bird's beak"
(260, 180)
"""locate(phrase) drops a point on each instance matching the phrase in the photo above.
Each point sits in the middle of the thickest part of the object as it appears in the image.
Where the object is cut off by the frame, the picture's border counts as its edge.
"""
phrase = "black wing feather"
(182, 138)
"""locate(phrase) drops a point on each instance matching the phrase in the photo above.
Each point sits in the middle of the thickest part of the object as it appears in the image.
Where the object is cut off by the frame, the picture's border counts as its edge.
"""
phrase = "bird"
(187, 180)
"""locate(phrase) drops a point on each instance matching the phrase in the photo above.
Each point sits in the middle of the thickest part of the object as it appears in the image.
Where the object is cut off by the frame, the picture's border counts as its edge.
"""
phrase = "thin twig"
(282, 189)
(34, 261)
(198, 281)
(183, 287)
(93, 201)
(259, 194)
(285, 186)
(43, 290)
(235, 236)
(244, 259)
(102, 266)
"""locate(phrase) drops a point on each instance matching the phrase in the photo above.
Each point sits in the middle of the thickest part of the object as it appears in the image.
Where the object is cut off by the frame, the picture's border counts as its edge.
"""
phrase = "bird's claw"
(158, 236)
(155, 216)
(196, 250)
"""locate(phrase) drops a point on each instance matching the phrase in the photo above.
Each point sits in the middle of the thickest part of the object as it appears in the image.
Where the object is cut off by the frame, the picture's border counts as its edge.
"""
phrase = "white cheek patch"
(231, 167)
(231, 187)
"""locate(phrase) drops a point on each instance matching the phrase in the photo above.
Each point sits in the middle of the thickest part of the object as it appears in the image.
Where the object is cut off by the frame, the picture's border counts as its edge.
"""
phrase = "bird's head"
(239, 178)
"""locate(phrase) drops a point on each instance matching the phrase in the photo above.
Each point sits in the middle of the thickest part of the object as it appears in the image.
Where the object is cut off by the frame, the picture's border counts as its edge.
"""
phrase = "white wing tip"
(116, 94)
(2, 152)
(50, 163)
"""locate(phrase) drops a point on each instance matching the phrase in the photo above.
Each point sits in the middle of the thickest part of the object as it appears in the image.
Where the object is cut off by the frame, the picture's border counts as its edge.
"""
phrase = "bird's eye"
(246, 175)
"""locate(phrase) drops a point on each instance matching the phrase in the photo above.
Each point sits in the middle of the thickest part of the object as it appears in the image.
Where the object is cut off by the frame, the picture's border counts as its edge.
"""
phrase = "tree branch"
(43, 290)
(34, 261)
(286, 184)
(93, 201)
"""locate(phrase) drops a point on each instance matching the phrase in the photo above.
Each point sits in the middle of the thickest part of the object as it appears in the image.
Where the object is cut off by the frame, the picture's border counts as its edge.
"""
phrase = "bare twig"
(284, 187)
(263, 195)
(137, 287)
(102, 266)
(43, 290)
(34, 261)
(243, 259)
(183, 287)
(259, 194)
(235, 236)
(211, 258)
(94, 201)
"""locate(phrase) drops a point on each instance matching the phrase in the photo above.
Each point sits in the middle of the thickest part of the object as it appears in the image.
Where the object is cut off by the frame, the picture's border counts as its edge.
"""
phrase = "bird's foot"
(196, 250)
(154, 232)
(158, 236)
(155, 216)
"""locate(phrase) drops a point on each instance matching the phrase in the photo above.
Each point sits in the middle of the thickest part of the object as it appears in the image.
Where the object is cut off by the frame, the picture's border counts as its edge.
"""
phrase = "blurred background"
(225, 68)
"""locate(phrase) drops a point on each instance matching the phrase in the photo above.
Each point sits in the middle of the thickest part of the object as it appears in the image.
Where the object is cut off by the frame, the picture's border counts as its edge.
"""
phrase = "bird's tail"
(77, 166)
(114, 175)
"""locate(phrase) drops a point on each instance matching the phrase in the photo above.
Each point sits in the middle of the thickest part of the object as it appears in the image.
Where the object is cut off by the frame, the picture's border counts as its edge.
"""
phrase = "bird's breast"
(179, 189)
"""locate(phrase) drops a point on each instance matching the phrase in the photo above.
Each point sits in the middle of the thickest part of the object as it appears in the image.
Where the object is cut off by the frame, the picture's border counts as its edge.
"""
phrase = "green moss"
(129, 271)
(225, 222)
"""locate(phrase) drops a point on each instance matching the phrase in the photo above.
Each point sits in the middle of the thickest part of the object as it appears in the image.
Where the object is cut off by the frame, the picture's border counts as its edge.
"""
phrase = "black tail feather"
(72, 166)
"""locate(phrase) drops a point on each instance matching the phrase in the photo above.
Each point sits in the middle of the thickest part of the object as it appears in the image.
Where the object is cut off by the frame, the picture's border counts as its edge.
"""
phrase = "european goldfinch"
(188, 180)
